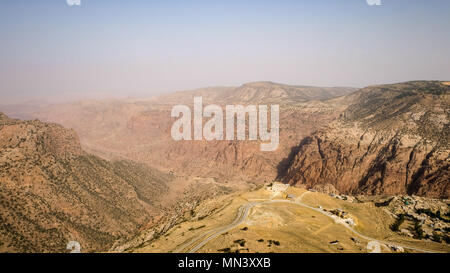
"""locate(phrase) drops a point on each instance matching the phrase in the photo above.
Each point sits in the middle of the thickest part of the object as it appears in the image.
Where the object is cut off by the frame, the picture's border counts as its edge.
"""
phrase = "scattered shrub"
(418, 229)
(241, 242)
(396, 225)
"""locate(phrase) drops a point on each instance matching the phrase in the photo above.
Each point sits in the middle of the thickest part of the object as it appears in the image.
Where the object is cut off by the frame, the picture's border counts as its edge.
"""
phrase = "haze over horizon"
(305, 126)
(53, 52)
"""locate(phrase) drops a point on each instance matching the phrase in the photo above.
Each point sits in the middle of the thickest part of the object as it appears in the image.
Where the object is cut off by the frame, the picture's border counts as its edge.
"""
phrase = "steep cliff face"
(392, 139)
(140, 129)
(149, 141)
(52, 192)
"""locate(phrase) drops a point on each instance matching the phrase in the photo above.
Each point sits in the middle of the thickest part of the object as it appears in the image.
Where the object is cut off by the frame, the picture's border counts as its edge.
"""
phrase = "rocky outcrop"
(393, 139)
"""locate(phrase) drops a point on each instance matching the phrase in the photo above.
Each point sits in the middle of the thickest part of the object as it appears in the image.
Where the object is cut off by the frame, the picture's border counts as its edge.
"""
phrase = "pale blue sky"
(111, 48)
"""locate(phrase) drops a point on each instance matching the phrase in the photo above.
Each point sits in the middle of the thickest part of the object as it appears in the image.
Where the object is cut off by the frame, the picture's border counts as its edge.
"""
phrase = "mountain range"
(102, 171)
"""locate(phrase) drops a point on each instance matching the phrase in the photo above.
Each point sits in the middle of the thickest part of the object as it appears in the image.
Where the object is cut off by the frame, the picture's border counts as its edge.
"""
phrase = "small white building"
(279, 187)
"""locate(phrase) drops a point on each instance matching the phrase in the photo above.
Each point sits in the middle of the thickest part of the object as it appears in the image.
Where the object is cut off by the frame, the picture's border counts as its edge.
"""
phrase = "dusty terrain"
(387, 139)
(392, 139)
(139, 130)
(115, 180)
(277, 223)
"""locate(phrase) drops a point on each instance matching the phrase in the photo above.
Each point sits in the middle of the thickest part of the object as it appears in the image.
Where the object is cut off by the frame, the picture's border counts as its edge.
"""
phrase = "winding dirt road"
(198, 242)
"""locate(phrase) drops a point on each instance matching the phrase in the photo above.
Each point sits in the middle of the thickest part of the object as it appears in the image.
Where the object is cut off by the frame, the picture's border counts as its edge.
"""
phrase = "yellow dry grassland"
(282, 225)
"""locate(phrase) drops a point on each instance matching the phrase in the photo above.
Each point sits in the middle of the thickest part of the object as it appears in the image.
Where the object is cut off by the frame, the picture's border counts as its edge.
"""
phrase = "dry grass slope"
(52, 192)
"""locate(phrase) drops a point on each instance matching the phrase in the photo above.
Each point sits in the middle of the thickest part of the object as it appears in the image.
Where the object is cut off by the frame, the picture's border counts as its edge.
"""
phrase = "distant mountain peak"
(264, 84)
(3, 117)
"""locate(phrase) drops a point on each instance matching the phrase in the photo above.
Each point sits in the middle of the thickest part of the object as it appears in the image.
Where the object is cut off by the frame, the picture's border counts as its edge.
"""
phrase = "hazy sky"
(52, 51)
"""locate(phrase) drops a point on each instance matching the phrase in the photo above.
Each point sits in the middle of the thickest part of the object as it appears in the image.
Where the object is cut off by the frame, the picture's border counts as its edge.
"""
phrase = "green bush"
(396, 225)
(418, 229)
(436, 237)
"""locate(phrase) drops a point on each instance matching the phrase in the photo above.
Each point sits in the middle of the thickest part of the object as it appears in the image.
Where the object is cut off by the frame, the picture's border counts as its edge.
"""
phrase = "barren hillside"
(392, 139)
(52, 192)
(140, 129)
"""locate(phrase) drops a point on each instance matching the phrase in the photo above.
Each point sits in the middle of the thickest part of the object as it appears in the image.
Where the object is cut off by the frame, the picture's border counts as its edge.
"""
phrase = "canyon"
(392, 139)
(116, 179)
